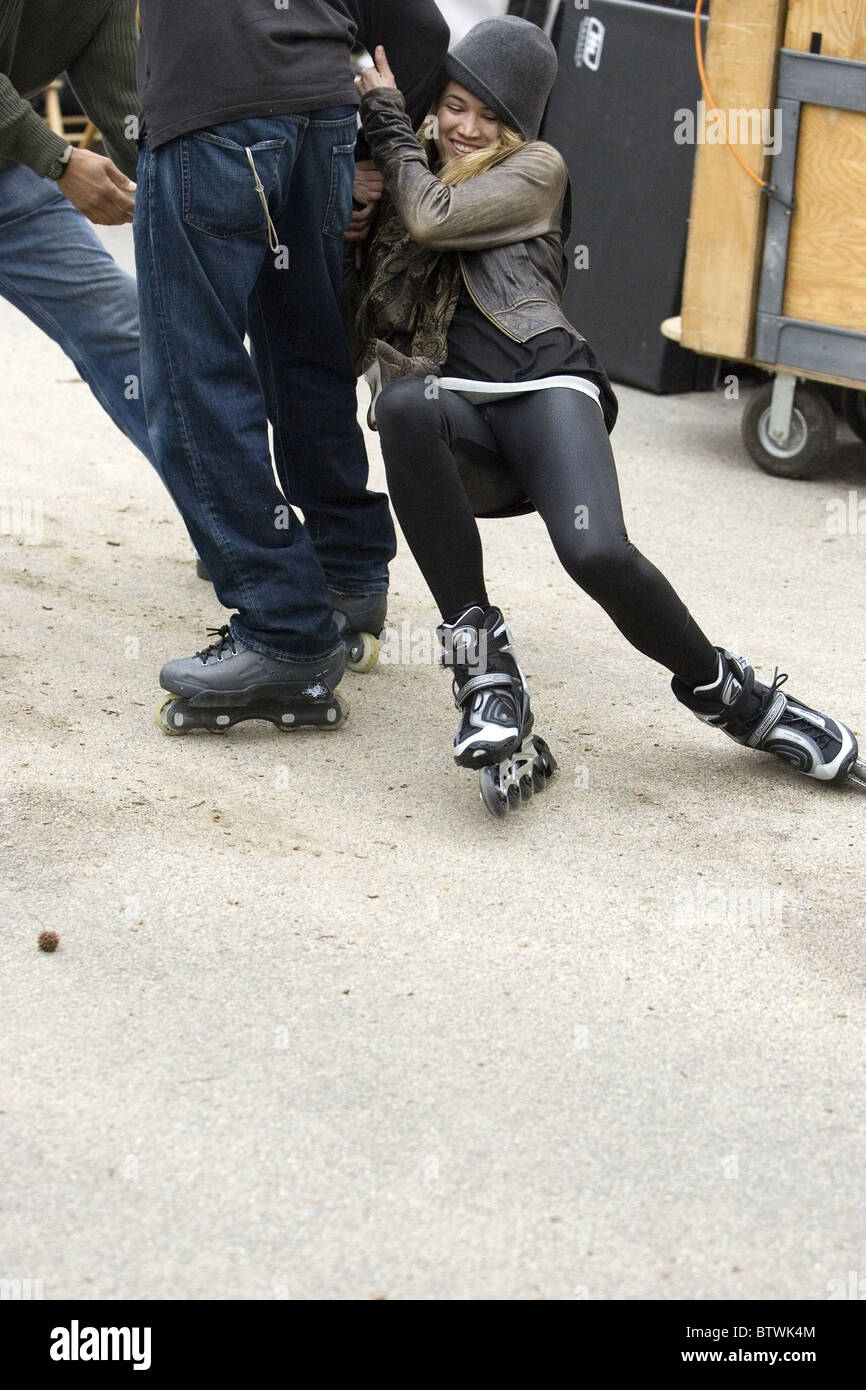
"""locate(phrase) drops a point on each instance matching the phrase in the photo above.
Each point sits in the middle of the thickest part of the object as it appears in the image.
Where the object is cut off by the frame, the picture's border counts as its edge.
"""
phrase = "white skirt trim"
(480, 392)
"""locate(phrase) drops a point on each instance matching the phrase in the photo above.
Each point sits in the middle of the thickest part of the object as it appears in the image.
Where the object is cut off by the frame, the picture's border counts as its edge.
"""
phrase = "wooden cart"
(776, 277)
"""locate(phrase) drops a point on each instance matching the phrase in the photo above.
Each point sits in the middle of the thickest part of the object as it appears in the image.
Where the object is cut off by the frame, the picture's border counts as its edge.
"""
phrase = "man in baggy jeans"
(244, 197)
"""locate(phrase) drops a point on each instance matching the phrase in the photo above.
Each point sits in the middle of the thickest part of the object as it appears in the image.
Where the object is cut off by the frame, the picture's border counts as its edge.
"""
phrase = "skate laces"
(225, 639)
(777, 681)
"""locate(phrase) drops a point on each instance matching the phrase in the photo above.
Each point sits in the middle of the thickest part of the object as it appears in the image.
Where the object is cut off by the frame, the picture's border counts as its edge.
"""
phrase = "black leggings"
(555, 442)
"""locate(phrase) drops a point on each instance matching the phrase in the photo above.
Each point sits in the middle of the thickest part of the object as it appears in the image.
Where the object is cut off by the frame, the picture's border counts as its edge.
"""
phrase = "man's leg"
(54, 268)
(201, 243)
(300, 349)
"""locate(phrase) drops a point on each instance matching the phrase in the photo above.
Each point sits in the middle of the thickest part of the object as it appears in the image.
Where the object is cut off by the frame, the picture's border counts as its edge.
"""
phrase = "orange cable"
(762, 183)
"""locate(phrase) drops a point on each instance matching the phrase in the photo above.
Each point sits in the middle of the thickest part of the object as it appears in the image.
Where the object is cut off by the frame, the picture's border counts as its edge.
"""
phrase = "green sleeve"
(103, 78)
(24, 136)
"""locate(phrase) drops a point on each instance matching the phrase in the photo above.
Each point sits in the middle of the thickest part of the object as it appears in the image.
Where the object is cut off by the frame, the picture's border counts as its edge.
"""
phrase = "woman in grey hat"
(489, 402)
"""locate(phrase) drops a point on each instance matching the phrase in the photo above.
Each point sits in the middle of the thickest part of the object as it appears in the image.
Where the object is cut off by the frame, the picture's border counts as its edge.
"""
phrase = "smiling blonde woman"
(490, 402)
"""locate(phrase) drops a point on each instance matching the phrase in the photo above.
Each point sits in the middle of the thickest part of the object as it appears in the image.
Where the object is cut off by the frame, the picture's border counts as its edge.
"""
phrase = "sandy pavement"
(318, 1027)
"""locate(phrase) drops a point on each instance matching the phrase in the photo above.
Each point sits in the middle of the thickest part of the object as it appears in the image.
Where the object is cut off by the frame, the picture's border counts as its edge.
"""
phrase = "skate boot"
(361, 620)
(228, 683)
(763, 717)
(492, 694)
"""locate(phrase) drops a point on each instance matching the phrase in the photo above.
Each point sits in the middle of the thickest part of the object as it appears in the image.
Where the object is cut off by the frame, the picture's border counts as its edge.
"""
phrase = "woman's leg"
(556, 443)
(419, 438)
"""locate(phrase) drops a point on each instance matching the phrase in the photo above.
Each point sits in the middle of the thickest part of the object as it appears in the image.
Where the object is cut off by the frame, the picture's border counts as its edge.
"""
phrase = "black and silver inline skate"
(228, 683)
(492, 694)
(765, 718)
(360, 619)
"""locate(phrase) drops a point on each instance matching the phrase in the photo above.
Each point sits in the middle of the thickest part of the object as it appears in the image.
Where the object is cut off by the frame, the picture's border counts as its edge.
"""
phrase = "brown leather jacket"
(507, 226)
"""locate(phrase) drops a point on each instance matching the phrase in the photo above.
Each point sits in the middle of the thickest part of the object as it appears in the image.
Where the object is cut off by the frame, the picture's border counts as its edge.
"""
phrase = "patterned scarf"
(408, 300)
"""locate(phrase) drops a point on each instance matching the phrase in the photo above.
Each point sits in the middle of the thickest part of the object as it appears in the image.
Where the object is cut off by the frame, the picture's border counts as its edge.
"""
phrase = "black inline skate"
(359, 617)
(361, 621)
(492, 694)
(764, 717)
(228, 683)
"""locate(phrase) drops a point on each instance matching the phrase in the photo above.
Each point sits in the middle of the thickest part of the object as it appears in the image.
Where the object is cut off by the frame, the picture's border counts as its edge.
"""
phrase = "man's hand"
(98, 189)
(379, 76)
(369, 185)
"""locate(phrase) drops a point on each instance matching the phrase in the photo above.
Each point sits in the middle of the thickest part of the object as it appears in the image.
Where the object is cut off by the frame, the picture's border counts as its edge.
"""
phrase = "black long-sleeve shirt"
(201, 64)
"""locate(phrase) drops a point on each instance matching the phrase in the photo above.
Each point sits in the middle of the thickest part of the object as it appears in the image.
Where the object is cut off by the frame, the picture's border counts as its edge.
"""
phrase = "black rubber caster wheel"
(810, 439)
(854, 410)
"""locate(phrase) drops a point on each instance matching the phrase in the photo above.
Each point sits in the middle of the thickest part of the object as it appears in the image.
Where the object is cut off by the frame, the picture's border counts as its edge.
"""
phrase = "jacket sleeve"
(514, 201)
(415, 37)
(103, 78)
(24, 136)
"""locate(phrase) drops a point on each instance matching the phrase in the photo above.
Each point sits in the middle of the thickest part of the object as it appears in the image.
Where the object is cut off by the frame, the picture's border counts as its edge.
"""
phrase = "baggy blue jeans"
(207, 277)
(55, 269)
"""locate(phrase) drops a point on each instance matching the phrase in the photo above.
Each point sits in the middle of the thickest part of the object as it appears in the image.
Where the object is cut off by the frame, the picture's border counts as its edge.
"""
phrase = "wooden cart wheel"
(854, 409)
(810, 439)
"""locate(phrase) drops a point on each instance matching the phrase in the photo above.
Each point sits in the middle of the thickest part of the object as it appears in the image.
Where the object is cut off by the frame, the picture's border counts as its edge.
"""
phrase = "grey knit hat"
(511, 65)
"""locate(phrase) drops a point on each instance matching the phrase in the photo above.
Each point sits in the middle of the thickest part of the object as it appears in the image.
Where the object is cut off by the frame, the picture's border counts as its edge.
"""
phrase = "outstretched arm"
(416, 38)
(516, 200)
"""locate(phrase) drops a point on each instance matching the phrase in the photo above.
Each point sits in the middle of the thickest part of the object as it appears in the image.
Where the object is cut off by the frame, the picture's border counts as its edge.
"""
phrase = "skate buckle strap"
(747, 685)
(493, 680)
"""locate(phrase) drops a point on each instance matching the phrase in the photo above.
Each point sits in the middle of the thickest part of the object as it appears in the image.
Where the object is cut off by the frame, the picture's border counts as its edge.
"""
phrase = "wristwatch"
(63, 160)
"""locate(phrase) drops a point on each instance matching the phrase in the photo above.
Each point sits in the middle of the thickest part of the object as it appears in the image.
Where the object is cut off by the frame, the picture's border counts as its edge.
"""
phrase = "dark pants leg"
(556, 444)
(301, 352)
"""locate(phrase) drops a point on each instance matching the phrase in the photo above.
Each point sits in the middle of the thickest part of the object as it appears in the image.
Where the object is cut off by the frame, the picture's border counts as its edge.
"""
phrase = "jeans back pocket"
(219, 187)
(338, 213)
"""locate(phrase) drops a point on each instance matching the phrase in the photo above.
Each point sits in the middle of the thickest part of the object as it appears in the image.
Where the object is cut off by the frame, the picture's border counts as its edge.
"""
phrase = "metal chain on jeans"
(273, 238)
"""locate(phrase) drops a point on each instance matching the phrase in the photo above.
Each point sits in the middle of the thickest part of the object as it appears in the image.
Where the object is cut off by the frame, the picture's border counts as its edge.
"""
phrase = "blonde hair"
(469, 166)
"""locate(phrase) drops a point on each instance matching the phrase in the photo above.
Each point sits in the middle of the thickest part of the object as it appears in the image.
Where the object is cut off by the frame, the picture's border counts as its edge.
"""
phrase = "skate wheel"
(496, 803)
(514, 797)
(527, 785)
(341, 714)
(362, 653)
(335, 718)
(857, 774)
(545, 762)
(164, 721)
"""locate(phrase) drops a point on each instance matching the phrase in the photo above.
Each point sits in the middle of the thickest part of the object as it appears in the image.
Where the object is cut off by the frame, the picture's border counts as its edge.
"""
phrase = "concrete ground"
(368, 1042)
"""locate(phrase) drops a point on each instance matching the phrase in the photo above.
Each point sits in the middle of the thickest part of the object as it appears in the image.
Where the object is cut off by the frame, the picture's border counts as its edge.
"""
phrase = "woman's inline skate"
(765, 718)
(492, 694)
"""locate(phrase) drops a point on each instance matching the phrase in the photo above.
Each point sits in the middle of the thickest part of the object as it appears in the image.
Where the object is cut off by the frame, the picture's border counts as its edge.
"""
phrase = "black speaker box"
(624, 71)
